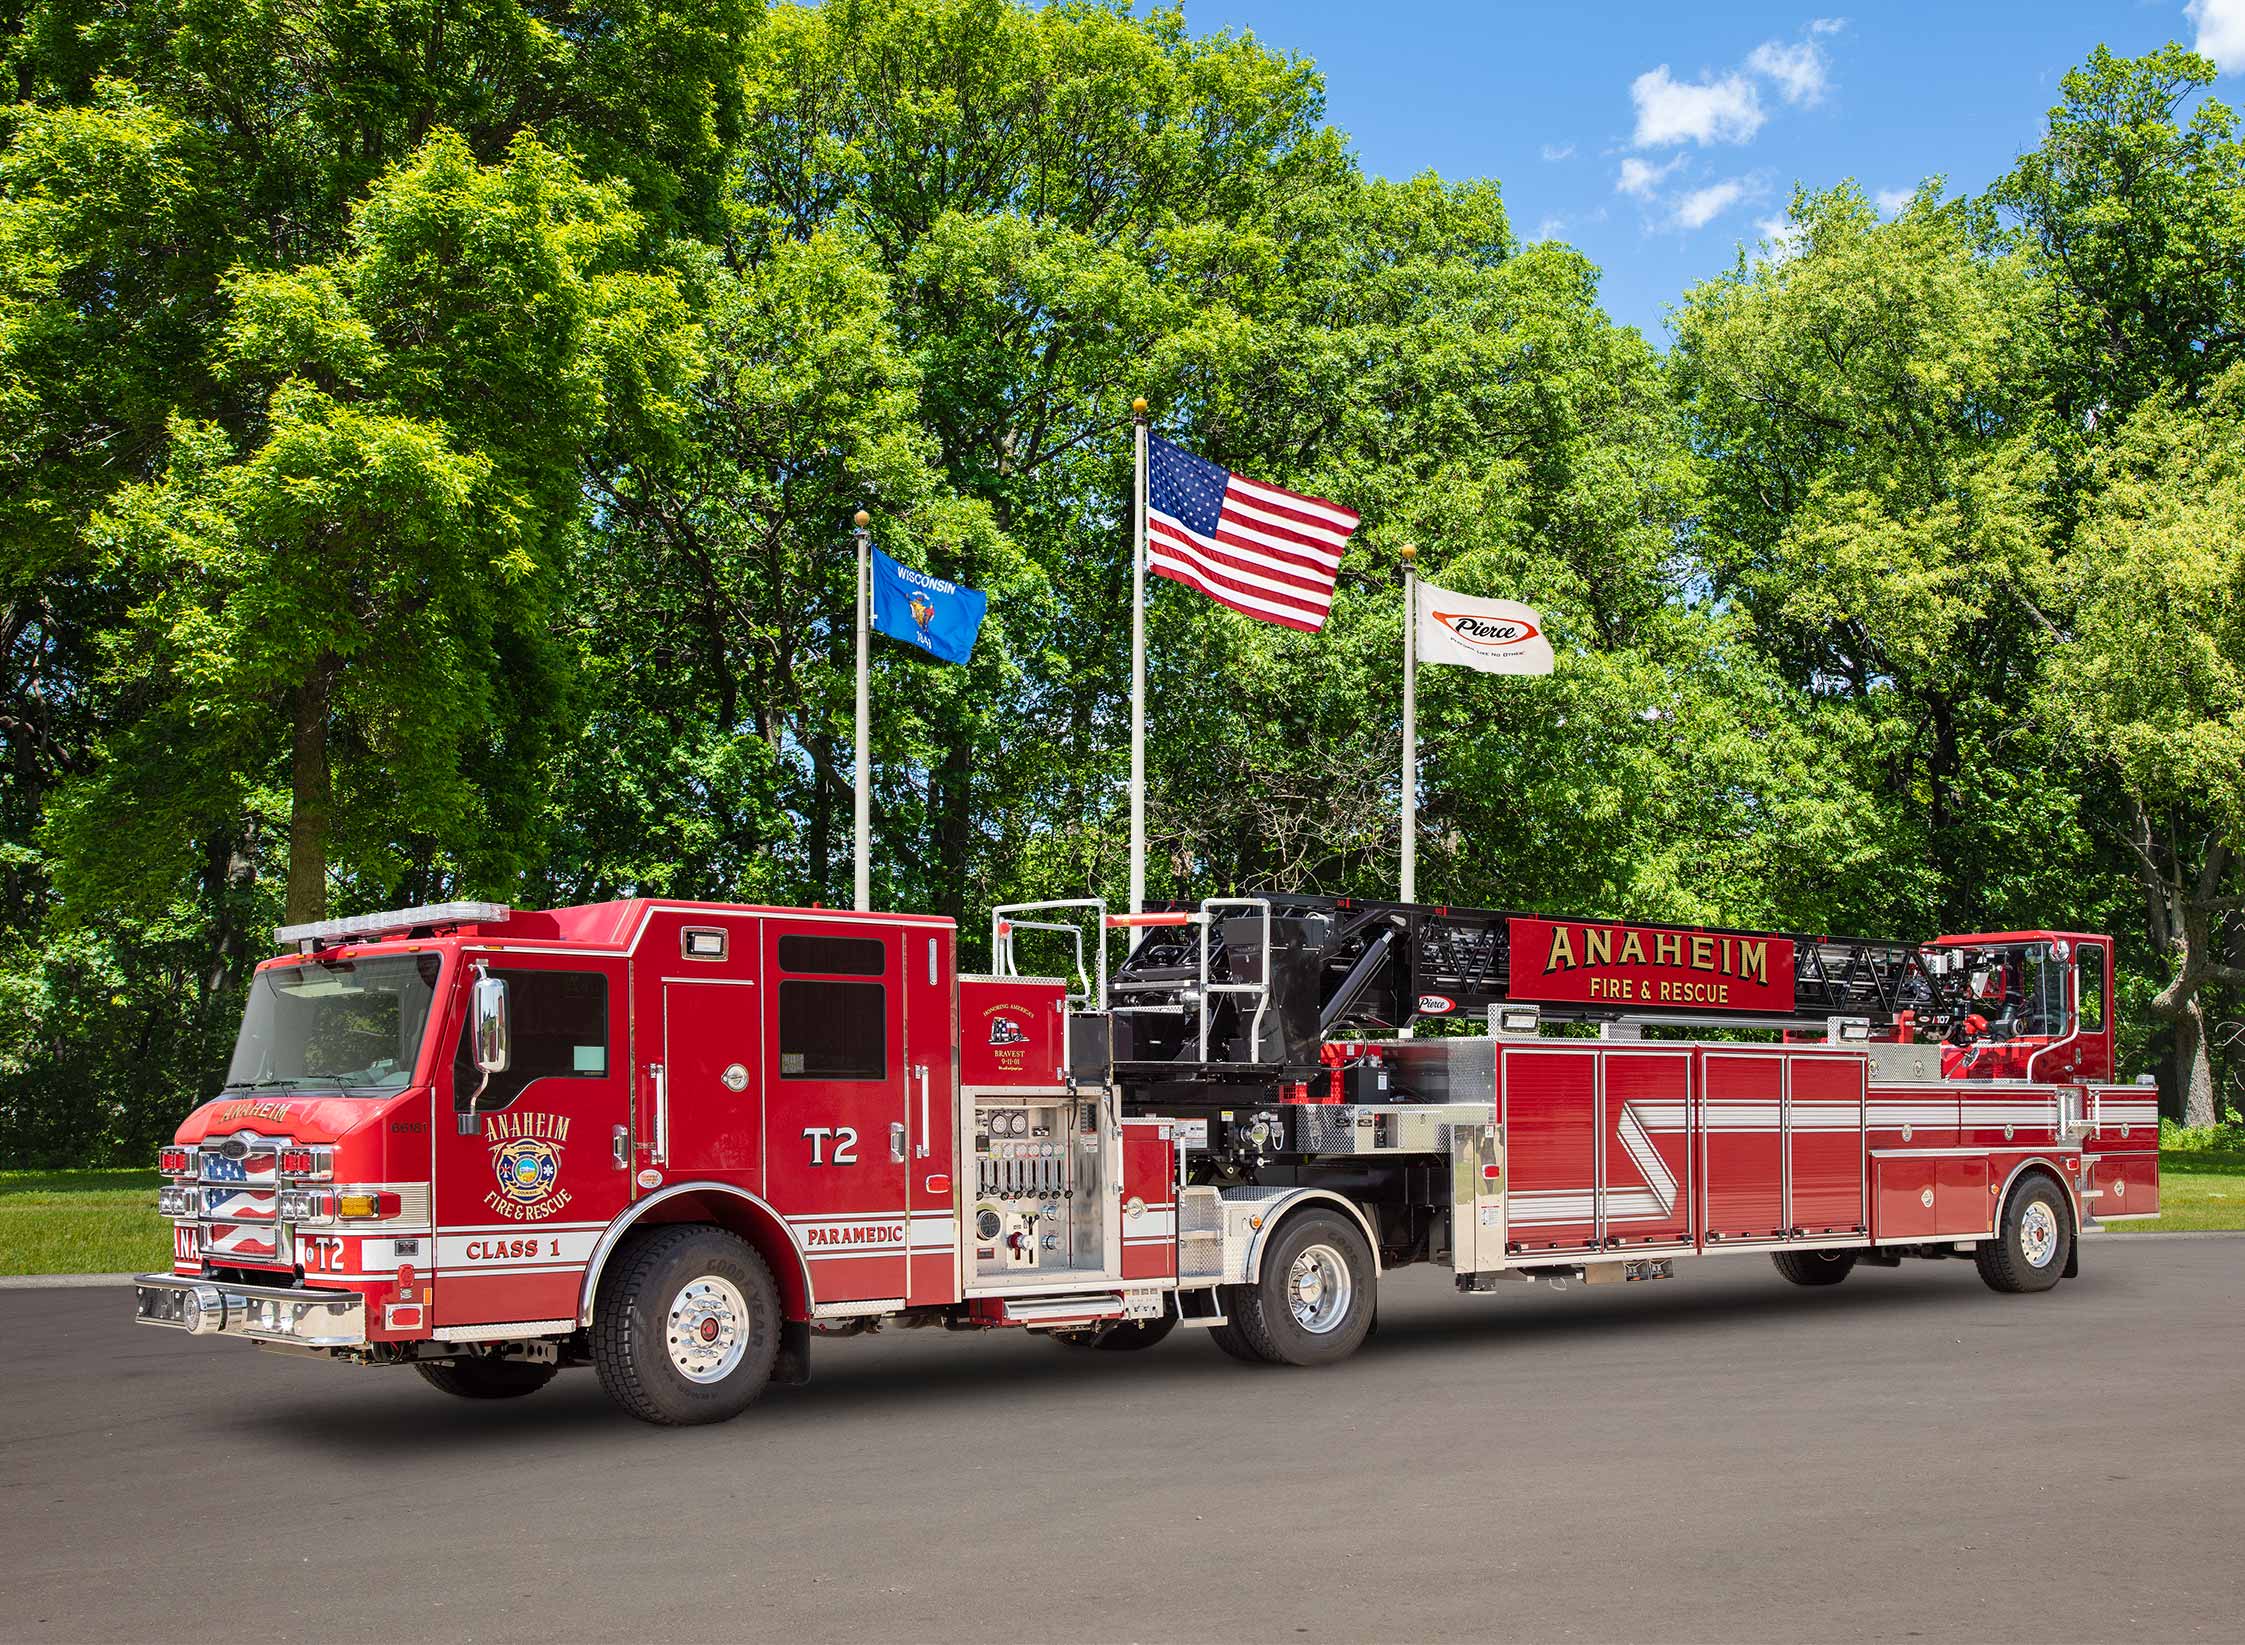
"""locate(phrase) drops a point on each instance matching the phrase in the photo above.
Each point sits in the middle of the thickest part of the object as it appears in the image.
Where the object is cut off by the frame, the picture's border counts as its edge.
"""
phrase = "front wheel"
(686, 1327)
(1312, 1304)
(485, 1378)
(2030, 1249)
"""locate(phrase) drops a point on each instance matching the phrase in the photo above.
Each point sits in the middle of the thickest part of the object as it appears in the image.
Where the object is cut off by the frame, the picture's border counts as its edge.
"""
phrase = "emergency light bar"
(397, 919)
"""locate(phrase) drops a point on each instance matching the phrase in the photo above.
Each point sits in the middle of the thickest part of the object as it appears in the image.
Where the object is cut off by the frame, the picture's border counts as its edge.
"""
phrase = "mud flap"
(792, 1366)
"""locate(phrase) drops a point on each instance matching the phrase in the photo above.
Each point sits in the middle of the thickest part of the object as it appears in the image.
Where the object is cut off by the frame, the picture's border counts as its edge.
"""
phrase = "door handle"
(896, 1141)
(620, 1145)
(921, 1152)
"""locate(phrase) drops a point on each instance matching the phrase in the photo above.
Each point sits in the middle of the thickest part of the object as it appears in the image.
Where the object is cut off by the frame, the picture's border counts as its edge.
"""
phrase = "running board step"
(1051, 1311)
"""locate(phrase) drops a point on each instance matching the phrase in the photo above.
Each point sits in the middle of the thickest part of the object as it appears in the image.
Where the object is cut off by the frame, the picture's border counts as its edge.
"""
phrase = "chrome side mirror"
(488, 1039)
(491, 1038)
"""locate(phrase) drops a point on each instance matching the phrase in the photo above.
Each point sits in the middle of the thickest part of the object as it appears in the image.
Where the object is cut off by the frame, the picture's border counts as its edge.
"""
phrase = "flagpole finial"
(1138, 409)
(1408, 552)
(861, 519)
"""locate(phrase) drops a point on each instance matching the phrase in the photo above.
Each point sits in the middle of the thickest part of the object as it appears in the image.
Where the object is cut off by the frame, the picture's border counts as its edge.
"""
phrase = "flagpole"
(1410, 725)
(864, 785)
(1138, 670)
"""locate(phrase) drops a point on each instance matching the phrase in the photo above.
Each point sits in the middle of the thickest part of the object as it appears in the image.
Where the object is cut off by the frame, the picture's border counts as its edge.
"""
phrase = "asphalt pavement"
(1717, 1457)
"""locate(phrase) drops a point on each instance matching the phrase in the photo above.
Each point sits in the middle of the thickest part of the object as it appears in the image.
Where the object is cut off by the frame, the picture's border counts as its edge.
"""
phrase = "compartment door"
(1149, 1200)
(1644, 1192)
(1549, 1100)
(1824, 1145)
(1742, 1105)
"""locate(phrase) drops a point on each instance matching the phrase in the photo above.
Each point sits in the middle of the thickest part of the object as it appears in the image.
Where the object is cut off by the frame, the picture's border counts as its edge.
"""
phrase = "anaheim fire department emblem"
(527, 1169)
(526, 1160)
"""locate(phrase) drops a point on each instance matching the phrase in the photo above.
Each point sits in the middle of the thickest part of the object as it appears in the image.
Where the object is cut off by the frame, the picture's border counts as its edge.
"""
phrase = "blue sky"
(1657, 137)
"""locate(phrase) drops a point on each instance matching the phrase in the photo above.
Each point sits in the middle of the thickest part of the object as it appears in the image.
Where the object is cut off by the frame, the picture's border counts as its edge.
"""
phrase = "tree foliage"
(428, 434)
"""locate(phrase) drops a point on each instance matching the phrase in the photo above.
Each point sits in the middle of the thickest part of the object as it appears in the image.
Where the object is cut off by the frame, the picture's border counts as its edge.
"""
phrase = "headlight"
(176, 1203)
(306, 1205)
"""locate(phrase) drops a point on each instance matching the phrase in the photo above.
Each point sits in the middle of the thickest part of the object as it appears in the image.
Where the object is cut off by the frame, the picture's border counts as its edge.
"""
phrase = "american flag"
(1257, 548)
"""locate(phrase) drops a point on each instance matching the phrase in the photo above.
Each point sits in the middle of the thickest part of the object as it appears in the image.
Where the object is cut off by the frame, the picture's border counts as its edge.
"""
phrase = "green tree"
(2153, 683)
(1868, 422)
(2132, 222)
(362, 574)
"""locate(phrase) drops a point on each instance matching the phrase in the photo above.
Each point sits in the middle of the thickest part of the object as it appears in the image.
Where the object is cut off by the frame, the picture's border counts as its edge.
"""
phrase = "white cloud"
(1826, 25)
(1892, 200)
(2221, 32)
(1641, 177)
(1552, 228)
(1670, 111)
(1784, 237)
(1797, 69)
(1559, 151)
(1698, 207)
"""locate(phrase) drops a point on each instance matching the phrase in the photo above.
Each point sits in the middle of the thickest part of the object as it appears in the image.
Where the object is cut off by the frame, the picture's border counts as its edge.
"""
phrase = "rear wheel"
(1814, 1267)
(485, 1378)
(1312, 1304)
(687, 1326)
(1227, 1337)
(2030, 1249)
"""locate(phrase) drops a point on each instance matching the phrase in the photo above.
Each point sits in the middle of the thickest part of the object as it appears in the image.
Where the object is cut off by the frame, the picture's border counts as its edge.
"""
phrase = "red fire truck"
(676, 1141)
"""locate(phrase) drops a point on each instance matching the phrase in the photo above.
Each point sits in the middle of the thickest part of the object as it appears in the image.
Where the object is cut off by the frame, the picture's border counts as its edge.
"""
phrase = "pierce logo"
(526, 1160)
(1488, 633)
(1436, 1005)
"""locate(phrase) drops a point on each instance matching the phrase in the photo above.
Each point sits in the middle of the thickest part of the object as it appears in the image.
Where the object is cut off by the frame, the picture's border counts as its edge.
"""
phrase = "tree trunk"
(821, 842)
(314, 800)
(2194, 1066)
(954, 822)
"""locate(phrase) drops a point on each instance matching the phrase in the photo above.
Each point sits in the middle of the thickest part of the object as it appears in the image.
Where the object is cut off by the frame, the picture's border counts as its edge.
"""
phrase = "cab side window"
(830, 1029)
(2091, 958)
(558, 1023)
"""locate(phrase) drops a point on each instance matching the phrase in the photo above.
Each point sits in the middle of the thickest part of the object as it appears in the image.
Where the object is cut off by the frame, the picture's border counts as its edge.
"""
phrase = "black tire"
(631, 1324)
(1130, 1335)
(485, 1378)
(2036, 1219)
(1227, 1336)
(1814, 1267)
(1263, 1314)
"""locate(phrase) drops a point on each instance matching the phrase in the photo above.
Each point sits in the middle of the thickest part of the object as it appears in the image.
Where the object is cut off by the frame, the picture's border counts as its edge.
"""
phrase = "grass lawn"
(105, 1222)
(2196, 1190)
(81, 1222)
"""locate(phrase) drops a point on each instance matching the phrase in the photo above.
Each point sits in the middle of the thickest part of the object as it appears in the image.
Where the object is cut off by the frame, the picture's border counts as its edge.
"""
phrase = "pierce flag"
(1494, 636)
(940, 617)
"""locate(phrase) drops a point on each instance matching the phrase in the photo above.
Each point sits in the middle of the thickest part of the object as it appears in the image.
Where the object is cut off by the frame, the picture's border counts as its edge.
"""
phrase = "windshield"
(335, 1025)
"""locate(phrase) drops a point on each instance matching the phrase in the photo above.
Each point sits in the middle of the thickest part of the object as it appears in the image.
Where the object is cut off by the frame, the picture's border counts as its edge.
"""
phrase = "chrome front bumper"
(261, 1313)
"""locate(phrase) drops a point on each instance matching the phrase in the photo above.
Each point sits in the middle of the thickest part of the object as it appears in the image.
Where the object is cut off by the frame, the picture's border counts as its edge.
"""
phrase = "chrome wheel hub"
(2038, 1234)
(708, 1329)
(1318, 1289)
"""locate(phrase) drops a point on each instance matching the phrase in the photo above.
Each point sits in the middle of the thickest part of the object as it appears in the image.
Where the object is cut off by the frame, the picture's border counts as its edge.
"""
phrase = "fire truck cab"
(675, 1141)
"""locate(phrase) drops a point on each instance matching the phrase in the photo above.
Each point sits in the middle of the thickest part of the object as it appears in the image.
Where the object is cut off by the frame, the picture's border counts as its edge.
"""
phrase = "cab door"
(521, 1200)
(837, 1127)
(931, 1038)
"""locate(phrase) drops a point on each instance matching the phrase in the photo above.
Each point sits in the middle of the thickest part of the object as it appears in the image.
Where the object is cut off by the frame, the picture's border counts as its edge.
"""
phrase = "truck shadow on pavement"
(912, 1372)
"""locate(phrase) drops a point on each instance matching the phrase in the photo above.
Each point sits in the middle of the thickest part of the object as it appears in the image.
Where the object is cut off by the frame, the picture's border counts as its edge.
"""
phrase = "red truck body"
(898, 1143)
